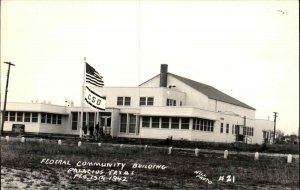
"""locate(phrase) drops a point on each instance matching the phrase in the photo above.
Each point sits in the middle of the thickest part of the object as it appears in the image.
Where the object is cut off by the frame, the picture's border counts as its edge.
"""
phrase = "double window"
(146, 101)
(123, 101)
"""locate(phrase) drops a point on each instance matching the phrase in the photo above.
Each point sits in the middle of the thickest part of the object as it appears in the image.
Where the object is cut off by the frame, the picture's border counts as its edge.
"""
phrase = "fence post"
(79, 143)
(225, 154)
(146, 146)
(121, 145)
(170, 150)
(289, 158)
(256, 156)
(7, 138)
(99, 144)
(22, 139)
(196, 152)
(59, 142)
(41, 140)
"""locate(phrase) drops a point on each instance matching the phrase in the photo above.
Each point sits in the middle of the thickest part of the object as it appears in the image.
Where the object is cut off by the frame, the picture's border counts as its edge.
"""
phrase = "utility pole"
(275, 116)
(5, 97)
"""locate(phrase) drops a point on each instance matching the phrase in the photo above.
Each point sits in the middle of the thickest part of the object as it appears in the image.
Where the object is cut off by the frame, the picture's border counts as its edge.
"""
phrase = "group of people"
(97, 132)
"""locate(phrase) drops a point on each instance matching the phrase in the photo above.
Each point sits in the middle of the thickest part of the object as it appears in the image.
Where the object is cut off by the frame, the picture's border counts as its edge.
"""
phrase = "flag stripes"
(93, 77)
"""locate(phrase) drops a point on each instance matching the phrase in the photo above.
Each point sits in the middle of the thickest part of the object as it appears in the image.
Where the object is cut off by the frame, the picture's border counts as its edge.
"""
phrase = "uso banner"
(94, 100)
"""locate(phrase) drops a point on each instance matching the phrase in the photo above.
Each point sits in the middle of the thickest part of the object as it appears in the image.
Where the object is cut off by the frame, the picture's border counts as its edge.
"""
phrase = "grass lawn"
(25, 166)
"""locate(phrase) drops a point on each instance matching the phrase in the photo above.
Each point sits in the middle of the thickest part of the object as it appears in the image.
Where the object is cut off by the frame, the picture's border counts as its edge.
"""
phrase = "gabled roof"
(211, 92)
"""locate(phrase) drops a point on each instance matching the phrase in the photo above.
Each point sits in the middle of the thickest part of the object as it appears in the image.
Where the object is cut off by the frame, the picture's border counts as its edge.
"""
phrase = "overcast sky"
(247, 49)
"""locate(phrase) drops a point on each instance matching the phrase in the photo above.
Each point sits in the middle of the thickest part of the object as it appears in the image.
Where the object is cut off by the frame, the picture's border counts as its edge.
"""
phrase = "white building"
(164, 106)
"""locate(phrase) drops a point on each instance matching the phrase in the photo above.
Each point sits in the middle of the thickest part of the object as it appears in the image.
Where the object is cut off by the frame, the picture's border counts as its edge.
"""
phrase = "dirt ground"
(49, 166)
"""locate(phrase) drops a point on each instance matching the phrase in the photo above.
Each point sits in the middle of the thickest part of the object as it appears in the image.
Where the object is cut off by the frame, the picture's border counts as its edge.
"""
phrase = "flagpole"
(82, 99)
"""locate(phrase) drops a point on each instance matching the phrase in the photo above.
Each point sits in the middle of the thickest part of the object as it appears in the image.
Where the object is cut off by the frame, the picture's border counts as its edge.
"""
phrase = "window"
(43, 119)
(194, 124)
(34, 117)
(91, 119)
(54, 119)
(248, 131)
(142, 101)
(227, 128)
(12, 116)
(123, 101)
(123, 123)
(233, 129)
(49, 115)
(203, 125)
(132, 123)
(27, 117)
(150, 101)
(74, 120)
(6, 116)
(221, 128)
(146, 122)
(84, 123)
(171, 102)
(20, 116)
(175, 123)
(185, 123)
(155, 122)
(59, 119)
(165, 122)
(120, 101)
(127, 101)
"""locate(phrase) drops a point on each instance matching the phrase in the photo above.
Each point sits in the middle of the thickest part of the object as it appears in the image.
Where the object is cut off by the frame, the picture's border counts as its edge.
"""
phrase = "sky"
(246, 49)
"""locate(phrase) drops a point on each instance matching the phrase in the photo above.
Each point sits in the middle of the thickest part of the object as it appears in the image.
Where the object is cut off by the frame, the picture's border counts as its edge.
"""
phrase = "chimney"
(163, 75)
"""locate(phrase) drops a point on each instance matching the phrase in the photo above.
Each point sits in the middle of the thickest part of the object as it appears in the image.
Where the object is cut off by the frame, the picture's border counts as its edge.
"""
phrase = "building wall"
(260, 126)
(160, 95)
(226, 107)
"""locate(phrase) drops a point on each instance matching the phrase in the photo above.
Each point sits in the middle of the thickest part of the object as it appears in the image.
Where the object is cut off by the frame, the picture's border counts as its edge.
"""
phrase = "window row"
(203, 125)
(50, 118)
(165, 122)
(21, 116)
(237, 129)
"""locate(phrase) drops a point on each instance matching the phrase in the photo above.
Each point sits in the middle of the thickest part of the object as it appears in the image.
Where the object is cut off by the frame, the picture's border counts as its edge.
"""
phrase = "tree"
(279, 135)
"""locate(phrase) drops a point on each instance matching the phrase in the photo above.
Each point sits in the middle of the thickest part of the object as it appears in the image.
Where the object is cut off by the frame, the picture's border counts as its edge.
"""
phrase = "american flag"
(93, 77)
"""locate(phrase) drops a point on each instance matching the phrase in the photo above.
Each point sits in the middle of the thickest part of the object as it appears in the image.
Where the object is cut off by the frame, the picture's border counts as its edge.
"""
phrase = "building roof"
(211, 92)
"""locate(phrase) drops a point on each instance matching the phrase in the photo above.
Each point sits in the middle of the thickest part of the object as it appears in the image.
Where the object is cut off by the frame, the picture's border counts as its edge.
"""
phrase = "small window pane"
(146, 122)
(165, 122)
(120, 101)
(27, 117)
(175, 123)
(155, 122)
(185, 122)
(49, 118)
(20, 116)
(12, 116)
(150, 101)
(127, 101)
(43, 119)
(34, 117)
(142, 101)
